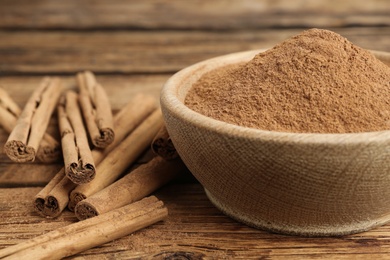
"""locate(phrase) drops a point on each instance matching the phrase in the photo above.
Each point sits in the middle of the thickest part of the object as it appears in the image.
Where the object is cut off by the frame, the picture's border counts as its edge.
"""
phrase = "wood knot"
(180, 255)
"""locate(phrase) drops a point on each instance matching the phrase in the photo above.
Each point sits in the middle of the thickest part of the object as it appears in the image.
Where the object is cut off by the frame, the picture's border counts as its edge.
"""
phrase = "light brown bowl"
(292, 183)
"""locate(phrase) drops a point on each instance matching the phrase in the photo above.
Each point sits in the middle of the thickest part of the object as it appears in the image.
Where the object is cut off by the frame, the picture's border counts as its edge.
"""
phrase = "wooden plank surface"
(195, 229)
(191, 14)
(135, 46)
(26, 175)
(55, 52)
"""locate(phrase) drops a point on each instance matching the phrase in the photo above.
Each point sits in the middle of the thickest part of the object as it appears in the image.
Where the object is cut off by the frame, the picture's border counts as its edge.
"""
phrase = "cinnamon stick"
(9, 111)
(49, 149)
(52, 200)
(162, 145)
(96, 110)
(120, 158)
(132, 187)
(40, 203)
(80, 236)
(79, 164)
(28, 131)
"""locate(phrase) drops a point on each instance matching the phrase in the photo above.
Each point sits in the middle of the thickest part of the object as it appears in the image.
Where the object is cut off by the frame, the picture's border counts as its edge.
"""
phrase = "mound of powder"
(315, 82)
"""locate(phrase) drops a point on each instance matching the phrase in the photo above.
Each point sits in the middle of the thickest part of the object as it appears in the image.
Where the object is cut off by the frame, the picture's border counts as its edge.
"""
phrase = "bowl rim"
(169, 100)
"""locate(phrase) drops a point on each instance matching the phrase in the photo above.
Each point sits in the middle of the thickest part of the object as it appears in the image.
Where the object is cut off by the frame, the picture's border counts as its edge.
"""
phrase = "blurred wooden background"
(135, 46)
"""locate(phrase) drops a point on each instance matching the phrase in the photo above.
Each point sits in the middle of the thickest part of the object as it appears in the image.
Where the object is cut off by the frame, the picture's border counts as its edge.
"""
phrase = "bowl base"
(307, 231)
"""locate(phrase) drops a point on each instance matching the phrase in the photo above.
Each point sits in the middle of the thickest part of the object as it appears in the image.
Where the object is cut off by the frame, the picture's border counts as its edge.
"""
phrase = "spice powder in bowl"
(293, 140)
(315, 82)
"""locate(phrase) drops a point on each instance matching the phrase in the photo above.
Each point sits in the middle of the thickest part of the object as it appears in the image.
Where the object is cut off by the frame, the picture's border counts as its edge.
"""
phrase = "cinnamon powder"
(315, 82)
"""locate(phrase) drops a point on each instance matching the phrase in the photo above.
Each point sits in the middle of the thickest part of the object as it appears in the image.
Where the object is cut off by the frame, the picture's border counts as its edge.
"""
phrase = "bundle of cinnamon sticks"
(27, 128)
(97, 148)
(49, 149)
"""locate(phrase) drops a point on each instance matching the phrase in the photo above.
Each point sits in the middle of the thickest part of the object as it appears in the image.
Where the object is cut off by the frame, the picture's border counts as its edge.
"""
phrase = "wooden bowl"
(291, 183)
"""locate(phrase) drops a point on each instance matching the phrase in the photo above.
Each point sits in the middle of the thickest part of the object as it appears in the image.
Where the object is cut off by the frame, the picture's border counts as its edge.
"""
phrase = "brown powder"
(314, 82)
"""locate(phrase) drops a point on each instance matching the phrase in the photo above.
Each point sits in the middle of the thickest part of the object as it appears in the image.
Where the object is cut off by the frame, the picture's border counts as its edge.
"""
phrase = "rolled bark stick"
(134, 186)
(7, 119)
(79, 164)
(80, 236)
(8, 103)
(40, 204)
(96, 110)
(126, 120)
(49, 149)
(31, 125)
(120, 158)
(162, 145)
(55, 196)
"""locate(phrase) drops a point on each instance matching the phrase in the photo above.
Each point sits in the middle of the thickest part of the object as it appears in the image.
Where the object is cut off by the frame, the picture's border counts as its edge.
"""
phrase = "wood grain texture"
(194, 229)
(137, 52)
(194, 14)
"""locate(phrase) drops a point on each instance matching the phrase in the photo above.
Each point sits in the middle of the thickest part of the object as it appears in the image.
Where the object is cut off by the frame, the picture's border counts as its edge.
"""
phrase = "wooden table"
(135, 46)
